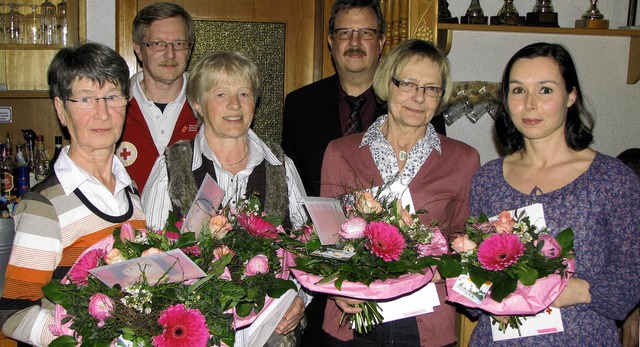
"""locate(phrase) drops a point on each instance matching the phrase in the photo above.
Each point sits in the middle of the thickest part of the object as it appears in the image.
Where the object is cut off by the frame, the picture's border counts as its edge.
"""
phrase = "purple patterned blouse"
(603, 207)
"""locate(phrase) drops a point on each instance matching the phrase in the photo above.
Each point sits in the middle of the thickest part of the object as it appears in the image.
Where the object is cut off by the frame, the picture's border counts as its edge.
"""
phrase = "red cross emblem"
(127, 153)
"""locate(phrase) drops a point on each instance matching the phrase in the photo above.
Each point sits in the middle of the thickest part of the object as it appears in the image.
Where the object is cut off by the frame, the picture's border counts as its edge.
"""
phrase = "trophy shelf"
(445, 34)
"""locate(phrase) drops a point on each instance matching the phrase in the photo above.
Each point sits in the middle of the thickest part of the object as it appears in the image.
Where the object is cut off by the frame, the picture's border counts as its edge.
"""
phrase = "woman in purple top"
(547, 132)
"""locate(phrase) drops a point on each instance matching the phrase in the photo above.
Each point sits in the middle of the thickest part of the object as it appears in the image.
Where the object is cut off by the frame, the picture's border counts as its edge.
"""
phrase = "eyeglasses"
(178, 45)
(88, 103)
(410, 87)
(363, 34)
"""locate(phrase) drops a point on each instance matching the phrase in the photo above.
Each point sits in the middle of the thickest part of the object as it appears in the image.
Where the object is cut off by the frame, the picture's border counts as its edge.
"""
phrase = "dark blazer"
(310, 122)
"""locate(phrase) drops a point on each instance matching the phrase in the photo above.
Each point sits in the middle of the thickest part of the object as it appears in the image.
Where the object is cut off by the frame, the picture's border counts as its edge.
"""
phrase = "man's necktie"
(354, 123)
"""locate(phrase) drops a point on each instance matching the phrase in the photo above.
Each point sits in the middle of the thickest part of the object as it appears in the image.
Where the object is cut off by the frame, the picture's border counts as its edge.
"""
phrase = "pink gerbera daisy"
(385, 240)
(182, 327)
(79, 273)
(258, 226)
(499, 251)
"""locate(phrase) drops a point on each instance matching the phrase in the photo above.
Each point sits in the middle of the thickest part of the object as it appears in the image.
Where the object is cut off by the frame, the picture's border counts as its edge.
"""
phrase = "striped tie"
(354, 123)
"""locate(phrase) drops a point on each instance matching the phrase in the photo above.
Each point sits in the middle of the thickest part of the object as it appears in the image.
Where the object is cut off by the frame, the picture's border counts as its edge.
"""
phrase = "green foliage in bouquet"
(506, 251)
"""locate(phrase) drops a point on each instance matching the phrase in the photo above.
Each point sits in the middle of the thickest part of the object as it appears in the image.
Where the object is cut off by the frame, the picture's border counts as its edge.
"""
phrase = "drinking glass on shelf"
(461, 107)
(49, 22)
(62, 35)
(485, 103)
(15, 25)
(33, 25)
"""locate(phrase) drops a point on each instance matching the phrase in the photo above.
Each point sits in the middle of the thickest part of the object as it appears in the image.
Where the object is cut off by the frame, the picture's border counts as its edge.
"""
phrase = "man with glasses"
(158, 113)
(320, 112)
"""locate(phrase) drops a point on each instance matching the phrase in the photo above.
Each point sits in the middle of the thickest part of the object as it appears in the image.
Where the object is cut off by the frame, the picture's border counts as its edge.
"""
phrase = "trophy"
(508, 15)
(542, 15)
(444, 15)
(592, 18)
(474, 14)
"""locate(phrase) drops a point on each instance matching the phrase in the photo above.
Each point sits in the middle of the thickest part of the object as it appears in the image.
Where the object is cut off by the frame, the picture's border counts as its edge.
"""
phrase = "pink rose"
(221, 251)
(100, 307)
(219, 226)
(151, 251)
(127, 232)
(406, 219)
(257, 265)
(114, 256)
(353, 228)
(551, 248)
(504, 223)
(366, 203)
(463, 244)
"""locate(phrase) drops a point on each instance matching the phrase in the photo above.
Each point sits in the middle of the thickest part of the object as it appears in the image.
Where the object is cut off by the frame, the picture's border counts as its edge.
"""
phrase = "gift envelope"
(207, 200)
(327, 217)
(548, 321)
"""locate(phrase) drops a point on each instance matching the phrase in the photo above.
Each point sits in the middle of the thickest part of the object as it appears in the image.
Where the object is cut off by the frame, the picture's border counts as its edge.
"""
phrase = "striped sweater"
(52, 230)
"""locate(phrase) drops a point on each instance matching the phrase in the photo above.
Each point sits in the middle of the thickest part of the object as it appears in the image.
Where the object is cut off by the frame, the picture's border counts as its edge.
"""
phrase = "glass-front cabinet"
(31, 32)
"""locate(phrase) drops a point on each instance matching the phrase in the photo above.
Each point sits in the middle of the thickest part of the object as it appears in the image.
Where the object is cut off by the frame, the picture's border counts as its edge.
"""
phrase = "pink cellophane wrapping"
(240, 322)
(59, 329)
(526, 300)
(377, 290)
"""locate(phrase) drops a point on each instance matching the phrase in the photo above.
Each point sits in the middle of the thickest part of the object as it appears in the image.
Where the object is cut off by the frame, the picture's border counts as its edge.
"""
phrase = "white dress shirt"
(71, 176)
(160, 123)
(155, 198)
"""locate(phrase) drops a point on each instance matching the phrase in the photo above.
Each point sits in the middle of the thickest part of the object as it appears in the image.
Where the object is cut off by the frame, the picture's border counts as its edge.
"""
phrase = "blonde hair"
(400, 56)
(208, 71)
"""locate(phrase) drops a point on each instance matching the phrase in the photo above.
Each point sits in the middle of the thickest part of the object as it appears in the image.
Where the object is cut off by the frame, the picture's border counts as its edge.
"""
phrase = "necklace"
(238, 162)
(402, 155)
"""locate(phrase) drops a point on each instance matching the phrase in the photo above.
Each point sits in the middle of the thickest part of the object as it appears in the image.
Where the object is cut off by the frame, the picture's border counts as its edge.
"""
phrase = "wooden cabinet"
(23, 70)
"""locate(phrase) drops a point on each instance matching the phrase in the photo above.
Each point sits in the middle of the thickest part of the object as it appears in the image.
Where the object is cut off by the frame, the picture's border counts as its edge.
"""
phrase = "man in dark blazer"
(318, 113)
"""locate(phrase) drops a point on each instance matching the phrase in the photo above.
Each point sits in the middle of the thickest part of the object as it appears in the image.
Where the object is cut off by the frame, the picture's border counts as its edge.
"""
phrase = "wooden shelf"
(13, 46)
(445, 31)
(24, 94)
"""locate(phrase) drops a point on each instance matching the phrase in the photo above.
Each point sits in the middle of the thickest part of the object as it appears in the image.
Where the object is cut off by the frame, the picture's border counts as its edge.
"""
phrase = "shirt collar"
(71, 176)
(137, 93)
(374, 135)
(258, 151)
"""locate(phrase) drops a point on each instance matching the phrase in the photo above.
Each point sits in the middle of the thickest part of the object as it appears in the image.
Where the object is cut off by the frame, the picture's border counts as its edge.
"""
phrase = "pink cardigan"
(441, 187)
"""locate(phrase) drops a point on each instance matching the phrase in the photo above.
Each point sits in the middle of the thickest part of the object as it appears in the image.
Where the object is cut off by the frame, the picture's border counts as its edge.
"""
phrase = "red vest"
(136, 149)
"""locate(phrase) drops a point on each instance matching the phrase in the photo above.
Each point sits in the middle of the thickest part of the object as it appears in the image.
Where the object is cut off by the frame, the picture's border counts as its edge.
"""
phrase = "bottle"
(21, 158)
(42, 163)
(8, 172)
(21, 178)
(56, 150)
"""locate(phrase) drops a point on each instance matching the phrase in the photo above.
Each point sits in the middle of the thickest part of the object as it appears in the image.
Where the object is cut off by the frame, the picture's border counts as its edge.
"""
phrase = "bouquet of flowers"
(382, 253)
(157, 312)
(235, 250)
(522, 267)
(258, 265)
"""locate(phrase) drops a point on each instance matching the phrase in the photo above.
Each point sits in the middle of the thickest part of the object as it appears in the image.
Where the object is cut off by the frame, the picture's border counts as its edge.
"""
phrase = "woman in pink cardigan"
(431, 170)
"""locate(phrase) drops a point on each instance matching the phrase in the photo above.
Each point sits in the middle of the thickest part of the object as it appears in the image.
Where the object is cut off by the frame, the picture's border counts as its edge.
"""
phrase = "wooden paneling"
(298, 16)
(36, 114)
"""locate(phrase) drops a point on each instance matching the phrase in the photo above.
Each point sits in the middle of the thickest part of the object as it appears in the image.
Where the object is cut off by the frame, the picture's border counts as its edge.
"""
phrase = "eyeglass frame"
(161, 46)
(79, 102)
(440, 90)
(352, 31)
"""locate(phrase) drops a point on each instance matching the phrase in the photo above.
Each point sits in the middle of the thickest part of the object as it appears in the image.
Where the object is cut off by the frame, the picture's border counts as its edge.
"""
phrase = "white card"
(401, 191)
(535, 212)
(419, 302)
(465, 287)
(548, 321)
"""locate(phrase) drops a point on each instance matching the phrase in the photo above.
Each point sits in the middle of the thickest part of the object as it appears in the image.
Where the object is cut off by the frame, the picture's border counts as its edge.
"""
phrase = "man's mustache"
(355, 51)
